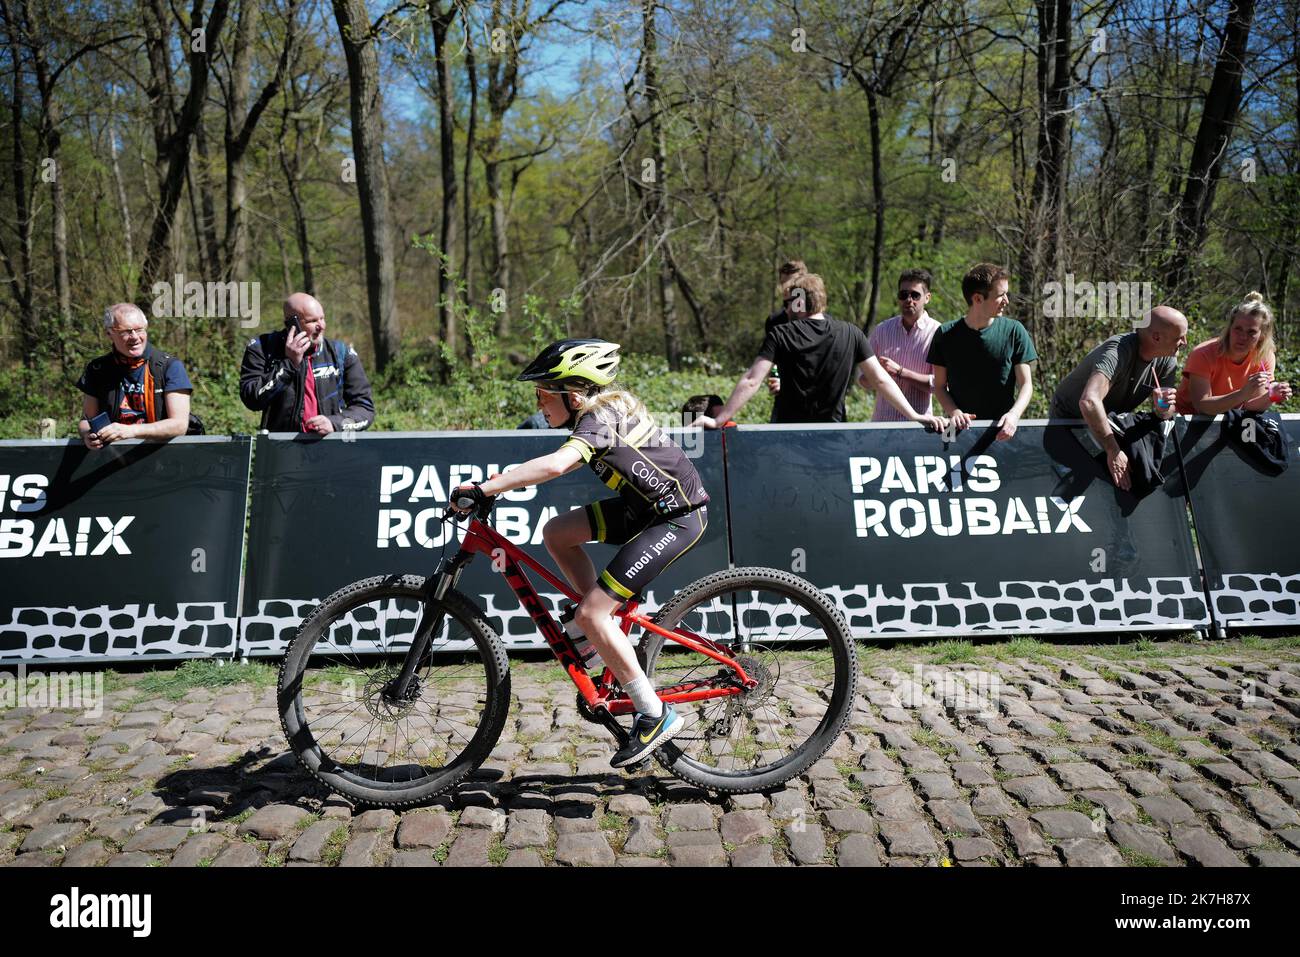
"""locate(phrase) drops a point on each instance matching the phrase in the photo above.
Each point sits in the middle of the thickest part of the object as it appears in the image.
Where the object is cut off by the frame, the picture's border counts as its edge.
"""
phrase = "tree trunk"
(52, 135)
(502, 76)
(1040, 255)
(1291, 246)
(878, 197)
(241, 122)
(661, 214)
(236, 238)
(209, 249)
(1218, 117)
(177, 149)
(124, 209)
(291, 179)
(471, 131)
(372, 184)
(440, 20)
(21, 284)
(500, 249)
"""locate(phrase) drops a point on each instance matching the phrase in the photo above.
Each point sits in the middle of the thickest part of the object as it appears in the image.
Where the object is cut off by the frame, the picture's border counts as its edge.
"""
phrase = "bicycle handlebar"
(479, 504)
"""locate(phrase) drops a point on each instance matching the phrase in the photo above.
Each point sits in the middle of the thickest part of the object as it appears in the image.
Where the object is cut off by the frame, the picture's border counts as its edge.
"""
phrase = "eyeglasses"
(908, 294)
(129, 333)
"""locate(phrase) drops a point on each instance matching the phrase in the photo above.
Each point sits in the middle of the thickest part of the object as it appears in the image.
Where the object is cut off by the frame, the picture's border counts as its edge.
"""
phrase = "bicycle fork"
(435, 590)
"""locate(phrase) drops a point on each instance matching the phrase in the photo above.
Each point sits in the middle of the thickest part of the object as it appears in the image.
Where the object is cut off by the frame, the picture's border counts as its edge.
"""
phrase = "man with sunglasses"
(901, 344)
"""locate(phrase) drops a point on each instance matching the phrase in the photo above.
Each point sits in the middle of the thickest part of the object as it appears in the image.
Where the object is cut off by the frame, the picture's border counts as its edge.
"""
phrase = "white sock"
(642, 693)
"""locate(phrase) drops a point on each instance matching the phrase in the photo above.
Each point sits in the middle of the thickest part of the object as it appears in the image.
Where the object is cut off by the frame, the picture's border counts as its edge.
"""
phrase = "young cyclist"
(657, 516)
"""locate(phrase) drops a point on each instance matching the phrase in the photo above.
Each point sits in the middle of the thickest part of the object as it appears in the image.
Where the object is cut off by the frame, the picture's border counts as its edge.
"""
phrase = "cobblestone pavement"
(1042, 761)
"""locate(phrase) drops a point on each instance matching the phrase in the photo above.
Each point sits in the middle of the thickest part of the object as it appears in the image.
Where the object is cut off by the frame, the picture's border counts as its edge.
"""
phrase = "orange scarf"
(133, 364)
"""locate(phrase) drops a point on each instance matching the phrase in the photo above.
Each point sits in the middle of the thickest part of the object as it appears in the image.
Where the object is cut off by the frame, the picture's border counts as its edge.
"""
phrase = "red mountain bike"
(396, 687)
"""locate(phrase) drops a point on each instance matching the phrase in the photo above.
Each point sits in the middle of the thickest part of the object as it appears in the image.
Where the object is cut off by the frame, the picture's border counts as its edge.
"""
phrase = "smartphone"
(294, 321)
(99, 421)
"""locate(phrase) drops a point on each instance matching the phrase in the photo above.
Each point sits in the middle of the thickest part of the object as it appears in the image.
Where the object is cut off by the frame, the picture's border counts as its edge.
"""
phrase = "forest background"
(460, 182)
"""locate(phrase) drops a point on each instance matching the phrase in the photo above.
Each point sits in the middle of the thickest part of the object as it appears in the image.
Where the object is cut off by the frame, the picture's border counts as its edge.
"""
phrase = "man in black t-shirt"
(817, 356)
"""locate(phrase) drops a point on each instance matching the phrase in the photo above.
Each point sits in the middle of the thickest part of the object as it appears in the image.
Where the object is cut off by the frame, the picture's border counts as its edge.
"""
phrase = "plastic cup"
(1275, 392)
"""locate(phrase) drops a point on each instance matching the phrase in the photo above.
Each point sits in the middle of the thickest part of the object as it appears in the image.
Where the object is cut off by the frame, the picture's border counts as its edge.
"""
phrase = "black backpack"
(158, 363)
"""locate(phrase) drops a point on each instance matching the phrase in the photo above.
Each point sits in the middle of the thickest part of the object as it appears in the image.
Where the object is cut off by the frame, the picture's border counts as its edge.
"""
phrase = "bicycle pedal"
(642, 765)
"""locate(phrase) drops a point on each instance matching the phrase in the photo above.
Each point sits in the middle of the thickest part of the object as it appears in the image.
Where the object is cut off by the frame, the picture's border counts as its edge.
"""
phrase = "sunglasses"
(908, 294)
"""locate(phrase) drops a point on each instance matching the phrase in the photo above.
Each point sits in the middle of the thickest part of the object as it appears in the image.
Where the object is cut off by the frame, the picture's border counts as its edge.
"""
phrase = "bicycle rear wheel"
(351, 735)
(790, 637)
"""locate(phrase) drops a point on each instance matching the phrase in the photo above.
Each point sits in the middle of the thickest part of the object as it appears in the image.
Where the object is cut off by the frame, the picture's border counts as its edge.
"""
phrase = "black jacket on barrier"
(1142, 437)
(268, 383)
(1265, 448)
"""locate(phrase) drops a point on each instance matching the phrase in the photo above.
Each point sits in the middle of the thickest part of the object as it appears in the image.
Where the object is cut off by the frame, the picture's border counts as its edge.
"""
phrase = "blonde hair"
(607, 405)
(1252, 305)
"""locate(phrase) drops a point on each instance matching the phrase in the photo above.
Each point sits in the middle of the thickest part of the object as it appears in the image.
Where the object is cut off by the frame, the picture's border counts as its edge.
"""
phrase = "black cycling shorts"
(650, 543)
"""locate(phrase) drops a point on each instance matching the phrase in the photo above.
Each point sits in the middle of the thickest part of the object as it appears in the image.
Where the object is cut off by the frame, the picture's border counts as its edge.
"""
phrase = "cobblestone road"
(1059, 758)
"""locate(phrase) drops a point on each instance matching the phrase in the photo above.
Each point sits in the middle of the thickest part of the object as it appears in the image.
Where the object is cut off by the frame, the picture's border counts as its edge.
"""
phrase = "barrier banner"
(917, 536)
(327, 512)
(129, 551)
(1247, 515)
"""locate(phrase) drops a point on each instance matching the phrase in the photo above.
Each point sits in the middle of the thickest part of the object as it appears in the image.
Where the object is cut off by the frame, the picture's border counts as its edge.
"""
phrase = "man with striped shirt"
(901, 344)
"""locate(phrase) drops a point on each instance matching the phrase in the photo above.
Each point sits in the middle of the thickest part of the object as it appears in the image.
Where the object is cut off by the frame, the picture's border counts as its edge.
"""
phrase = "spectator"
(788, 270)
(818, 355)
(1118, 376)
(698, 405)
(535, 421)
(302, 382)
(981, 361)
(144, 391)
(902, 342)
(1234, 370)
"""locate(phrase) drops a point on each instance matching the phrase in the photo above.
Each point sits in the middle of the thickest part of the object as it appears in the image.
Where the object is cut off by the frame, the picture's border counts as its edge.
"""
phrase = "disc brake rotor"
(749, 700)
(377, 701)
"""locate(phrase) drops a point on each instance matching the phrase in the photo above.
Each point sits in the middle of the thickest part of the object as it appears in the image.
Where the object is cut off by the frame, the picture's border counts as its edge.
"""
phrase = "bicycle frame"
(599, 695)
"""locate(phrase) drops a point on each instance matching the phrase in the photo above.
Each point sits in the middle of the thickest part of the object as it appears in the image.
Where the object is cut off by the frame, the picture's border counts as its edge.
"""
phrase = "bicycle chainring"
(585, 711)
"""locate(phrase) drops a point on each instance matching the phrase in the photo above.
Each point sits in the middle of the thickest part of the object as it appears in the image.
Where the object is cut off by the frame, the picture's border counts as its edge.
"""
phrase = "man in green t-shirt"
(981, 361)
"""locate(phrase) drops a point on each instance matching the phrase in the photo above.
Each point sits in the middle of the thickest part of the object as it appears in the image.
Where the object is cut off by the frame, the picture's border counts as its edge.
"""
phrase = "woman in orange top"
(1235, 370)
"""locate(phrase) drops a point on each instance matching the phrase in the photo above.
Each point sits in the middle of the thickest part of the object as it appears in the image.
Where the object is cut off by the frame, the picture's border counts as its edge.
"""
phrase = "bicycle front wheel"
(346, 727)
(788, 636)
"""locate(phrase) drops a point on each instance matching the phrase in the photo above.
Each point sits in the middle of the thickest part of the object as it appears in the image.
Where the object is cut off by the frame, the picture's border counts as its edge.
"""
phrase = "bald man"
(301, 381)
(1119, 375)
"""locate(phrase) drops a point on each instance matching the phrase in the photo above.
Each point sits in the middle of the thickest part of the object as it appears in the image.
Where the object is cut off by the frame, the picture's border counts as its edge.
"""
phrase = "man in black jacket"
(301, 381)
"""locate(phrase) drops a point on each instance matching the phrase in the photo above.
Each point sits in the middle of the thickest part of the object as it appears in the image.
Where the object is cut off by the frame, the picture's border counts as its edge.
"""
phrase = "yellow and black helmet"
(593, 361)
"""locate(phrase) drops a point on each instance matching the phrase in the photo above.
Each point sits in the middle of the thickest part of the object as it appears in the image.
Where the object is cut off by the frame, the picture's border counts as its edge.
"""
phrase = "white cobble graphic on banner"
(203, 629)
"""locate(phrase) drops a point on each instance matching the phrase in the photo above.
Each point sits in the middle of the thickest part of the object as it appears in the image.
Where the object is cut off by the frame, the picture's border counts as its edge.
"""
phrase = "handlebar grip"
(465, 502)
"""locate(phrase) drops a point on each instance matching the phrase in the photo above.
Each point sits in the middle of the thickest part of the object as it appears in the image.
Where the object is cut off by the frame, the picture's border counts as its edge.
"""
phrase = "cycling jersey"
(638, 461)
